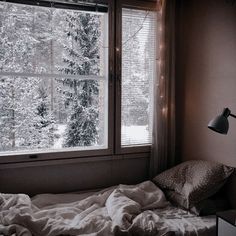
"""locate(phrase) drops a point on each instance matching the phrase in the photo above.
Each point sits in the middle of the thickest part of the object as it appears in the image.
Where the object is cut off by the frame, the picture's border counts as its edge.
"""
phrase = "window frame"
(114, 88)
(138, 5)
(43, 155)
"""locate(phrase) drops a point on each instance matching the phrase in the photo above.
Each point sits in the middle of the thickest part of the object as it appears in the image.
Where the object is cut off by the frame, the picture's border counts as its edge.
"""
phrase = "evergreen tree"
(82, 58)
(22, 123)
(45, 119)
(22, 126)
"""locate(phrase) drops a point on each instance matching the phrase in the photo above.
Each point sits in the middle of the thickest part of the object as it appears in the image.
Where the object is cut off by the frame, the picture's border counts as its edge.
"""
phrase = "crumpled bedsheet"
(120, 210)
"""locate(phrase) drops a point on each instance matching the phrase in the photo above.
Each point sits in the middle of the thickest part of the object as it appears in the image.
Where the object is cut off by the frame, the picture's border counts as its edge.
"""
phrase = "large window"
(76, 77)
(53, 78)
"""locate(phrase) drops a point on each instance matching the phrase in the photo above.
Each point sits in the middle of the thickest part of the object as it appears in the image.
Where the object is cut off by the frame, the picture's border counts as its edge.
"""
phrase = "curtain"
(163, 146)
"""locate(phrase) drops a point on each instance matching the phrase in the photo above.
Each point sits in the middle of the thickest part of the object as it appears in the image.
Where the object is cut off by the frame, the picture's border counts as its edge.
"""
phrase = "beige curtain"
(163, 147)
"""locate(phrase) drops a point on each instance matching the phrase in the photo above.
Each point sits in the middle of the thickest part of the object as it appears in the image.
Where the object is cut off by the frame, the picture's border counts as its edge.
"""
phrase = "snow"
(59, 133)
(41, 112)
(131, 135)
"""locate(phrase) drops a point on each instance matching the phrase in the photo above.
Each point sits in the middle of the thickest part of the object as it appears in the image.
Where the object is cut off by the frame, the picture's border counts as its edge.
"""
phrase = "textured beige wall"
(206, 78)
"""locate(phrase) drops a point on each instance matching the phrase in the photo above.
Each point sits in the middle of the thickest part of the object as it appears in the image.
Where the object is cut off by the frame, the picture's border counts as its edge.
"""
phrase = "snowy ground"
(130, 135)
(134, 135)
(60, 133)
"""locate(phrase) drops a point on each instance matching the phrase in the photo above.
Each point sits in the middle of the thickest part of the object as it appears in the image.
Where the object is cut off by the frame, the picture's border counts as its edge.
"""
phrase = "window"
(53, 78)
(64, 89)
(138, 73)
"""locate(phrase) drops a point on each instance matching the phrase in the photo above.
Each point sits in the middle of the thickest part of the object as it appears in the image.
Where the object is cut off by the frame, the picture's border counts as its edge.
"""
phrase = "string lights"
(161, 65)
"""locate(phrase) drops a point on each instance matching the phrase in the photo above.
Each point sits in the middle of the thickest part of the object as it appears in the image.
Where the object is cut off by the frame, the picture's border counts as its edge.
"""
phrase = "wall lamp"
(220, 123)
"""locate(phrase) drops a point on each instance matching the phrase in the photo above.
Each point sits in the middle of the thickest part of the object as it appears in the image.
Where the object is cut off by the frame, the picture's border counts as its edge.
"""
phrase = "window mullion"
(77, 77)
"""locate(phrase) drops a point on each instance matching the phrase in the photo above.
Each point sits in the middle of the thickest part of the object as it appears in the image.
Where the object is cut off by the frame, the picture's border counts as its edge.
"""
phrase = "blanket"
(120, 210)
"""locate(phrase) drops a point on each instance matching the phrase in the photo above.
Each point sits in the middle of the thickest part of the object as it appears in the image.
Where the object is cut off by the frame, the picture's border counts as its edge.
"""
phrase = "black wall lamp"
(220, 123)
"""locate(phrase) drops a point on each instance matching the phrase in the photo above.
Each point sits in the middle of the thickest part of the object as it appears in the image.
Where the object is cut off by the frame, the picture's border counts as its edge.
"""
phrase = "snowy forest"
(54, 78)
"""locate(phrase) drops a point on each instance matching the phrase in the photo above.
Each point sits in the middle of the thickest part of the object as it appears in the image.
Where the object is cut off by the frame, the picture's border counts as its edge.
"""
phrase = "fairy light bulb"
(164, 111)
(160, 11)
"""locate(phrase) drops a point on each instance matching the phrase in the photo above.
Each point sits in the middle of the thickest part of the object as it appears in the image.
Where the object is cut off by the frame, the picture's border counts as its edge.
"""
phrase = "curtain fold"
(163, 146)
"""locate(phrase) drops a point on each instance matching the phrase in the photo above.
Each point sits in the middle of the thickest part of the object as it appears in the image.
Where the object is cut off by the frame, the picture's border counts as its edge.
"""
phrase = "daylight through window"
(53, 78)
(138, 73)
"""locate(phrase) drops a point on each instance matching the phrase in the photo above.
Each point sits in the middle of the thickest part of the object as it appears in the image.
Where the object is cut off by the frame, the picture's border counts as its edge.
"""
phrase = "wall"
(73, 175)
(205, 78)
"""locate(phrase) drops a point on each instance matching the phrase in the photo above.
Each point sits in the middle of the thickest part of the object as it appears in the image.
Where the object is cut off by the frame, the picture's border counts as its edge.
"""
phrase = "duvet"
(121, 210)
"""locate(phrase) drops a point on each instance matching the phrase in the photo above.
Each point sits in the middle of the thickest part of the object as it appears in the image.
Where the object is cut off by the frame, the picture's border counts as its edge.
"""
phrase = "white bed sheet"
(182, 222)
(138, 210)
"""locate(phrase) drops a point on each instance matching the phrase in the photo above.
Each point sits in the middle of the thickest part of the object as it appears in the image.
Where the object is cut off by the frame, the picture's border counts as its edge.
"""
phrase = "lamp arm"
(234, 116)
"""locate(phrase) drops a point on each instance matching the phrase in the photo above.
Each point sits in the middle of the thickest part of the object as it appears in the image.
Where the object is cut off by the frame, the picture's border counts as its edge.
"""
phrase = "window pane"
(45, 40)
(53, 79)
(138, 73)
(88, 43)
(25, 39)
(34, 114)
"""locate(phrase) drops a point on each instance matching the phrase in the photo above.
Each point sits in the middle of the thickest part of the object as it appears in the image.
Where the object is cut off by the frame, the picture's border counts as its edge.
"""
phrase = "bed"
(121, 210)
(140, 210)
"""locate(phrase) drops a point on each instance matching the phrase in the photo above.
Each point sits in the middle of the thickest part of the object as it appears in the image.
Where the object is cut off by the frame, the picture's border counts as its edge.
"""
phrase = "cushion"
(193, 181)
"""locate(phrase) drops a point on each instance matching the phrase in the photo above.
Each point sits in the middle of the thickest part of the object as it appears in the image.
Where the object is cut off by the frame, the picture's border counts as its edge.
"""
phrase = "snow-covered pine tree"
(22, 126)
(45, 122)
(82, 58)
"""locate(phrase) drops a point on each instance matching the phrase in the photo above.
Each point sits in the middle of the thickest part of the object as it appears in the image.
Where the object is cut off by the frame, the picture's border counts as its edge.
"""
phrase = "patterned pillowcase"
(193, 181)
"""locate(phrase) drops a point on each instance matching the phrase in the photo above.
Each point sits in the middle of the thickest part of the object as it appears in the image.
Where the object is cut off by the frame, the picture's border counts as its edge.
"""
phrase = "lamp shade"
(220, 123)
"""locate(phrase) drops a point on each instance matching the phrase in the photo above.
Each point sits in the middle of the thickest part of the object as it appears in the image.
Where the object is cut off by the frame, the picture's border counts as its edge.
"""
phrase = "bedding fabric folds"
(138, 210)
(122, 210)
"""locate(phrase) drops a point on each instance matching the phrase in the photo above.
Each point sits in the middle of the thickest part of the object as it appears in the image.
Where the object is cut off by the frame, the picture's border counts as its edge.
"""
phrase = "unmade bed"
(121, 210)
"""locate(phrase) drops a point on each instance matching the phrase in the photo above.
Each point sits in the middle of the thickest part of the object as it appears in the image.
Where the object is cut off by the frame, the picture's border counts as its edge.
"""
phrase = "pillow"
(193, 181)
